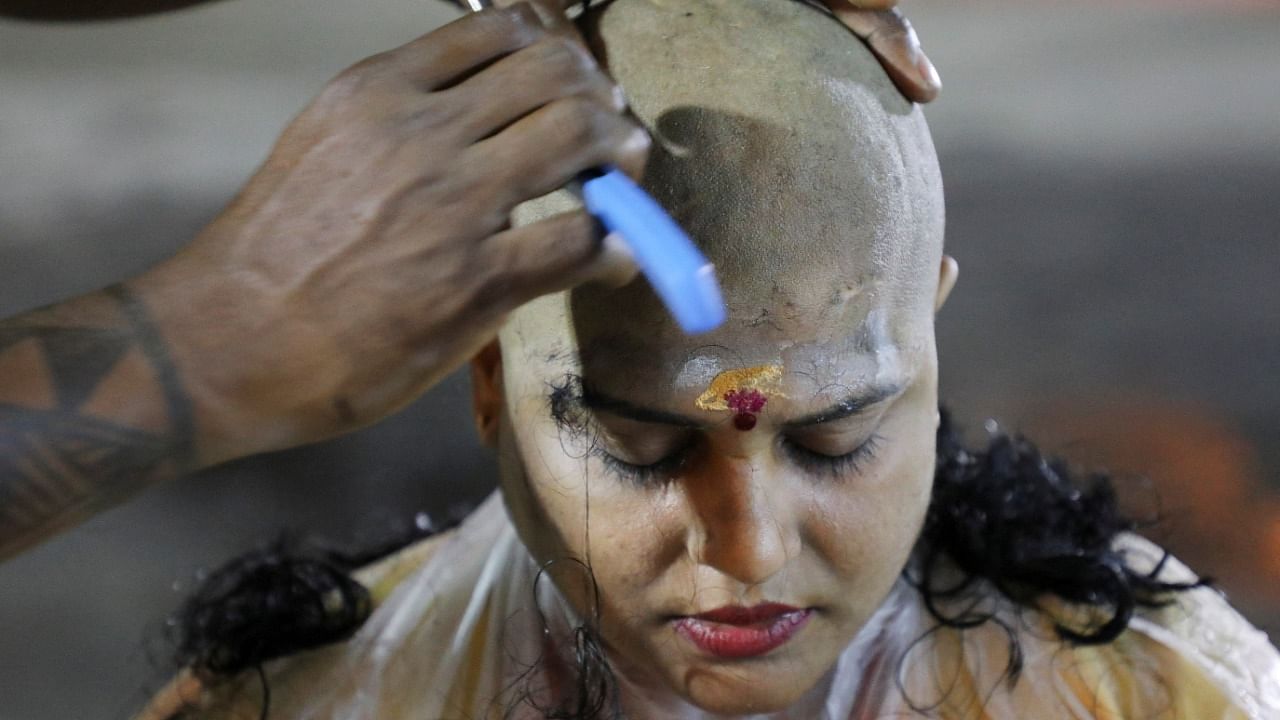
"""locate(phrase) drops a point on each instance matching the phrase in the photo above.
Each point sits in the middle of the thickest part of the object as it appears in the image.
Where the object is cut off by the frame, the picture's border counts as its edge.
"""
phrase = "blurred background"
(1113, 176)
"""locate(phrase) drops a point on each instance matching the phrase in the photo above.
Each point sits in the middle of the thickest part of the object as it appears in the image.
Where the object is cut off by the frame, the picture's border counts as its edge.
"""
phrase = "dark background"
(1113, 176)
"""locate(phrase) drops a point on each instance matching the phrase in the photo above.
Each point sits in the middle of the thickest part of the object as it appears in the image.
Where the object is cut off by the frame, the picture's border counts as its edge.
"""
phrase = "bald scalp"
(781, 146)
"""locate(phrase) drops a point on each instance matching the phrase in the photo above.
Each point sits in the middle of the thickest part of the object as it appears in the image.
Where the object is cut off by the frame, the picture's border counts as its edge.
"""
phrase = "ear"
(947, 275)
(486, 391)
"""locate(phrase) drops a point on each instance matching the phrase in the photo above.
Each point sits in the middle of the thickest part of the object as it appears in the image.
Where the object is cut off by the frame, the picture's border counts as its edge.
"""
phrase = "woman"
(771, 520)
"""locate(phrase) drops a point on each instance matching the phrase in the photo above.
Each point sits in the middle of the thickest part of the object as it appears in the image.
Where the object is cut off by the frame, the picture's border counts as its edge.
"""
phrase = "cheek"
(866, 525)
(564, 511)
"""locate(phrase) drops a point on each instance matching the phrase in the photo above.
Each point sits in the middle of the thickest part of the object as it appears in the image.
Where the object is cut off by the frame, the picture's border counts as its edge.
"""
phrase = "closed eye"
(660, 471)
(834, 466)
(668, 467)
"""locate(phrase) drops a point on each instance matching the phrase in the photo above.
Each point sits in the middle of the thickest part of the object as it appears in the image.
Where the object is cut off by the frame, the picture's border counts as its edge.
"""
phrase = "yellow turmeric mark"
(760, 381)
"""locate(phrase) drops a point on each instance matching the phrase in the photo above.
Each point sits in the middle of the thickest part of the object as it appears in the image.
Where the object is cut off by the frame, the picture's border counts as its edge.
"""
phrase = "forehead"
(620, 343)
(630, 348)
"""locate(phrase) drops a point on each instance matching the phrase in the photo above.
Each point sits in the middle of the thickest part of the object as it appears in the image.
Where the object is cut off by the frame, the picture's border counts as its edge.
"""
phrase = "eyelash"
(663, 470)
(835, 466)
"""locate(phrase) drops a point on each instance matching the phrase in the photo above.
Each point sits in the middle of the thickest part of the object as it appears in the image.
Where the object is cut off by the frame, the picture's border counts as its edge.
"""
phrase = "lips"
(743, 632)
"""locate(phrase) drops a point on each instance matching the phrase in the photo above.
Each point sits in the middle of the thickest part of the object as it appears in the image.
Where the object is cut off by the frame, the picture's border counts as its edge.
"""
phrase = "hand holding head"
(373, 252)
(877, 22)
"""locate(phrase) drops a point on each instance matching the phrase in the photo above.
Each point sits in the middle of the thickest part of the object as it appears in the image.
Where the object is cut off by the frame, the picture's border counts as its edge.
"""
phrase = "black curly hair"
(1005, 515)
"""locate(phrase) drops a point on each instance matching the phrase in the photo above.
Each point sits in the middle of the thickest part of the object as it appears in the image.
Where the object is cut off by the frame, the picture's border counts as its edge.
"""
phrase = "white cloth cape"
(459, 637)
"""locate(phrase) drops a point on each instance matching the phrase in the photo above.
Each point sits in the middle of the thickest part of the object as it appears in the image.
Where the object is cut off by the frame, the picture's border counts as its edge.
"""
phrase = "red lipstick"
(742, 632)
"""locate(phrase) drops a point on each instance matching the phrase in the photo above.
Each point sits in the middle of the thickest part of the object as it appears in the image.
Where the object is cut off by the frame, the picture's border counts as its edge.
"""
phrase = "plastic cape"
(456, 635)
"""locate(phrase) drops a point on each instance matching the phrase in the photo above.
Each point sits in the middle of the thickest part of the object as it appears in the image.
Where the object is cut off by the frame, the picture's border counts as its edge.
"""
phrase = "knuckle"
(611, 94)
(636, 146)
(577, 239)
(622, 135)
(509, 28)
(548, 249)
(575, 57)
(356, 78)
(562, 57)
(578, 120)
(495, 281)
(521, 22)
(631, 151)
(564, 68)
(375, 64)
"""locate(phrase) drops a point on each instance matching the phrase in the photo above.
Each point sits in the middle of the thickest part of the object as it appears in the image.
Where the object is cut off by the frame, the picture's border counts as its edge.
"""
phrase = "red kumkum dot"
(744, 421)
(745, 401)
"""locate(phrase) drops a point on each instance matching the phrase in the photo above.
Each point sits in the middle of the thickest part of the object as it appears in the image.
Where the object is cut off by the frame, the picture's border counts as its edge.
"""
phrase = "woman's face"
(771, 478)
(744, 499)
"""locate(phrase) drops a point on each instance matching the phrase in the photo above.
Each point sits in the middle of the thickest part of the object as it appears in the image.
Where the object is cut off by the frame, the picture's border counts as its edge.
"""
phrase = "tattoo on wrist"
(64, 453)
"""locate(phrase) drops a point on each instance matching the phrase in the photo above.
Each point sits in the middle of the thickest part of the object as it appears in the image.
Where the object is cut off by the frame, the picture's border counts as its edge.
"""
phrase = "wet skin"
(593, 398)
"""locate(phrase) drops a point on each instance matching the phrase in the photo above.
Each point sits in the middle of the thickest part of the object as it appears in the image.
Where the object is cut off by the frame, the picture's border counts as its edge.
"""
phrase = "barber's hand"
(885, 30)
(893, 40)
(372, 254)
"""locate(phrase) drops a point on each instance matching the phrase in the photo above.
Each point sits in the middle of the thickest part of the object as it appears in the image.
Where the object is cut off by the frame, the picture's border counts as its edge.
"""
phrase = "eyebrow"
(596, 400)
(850, 405)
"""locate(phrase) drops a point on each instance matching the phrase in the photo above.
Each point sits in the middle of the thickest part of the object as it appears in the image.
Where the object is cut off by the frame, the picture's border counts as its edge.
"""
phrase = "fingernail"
(928, 72)
(622, 262)
(617, 248)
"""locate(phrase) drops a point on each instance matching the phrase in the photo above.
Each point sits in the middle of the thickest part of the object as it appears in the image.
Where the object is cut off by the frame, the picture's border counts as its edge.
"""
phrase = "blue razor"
(681, 275)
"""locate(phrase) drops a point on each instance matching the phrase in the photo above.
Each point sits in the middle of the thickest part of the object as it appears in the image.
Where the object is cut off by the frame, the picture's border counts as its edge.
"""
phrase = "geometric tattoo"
(63, 456)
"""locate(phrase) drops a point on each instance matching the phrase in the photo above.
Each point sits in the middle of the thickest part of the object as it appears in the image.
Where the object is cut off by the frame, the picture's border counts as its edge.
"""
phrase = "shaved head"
(782, 148)
(786, 457)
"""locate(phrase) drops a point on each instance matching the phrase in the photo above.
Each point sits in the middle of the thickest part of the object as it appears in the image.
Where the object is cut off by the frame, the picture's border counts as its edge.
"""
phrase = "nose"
(746, 524)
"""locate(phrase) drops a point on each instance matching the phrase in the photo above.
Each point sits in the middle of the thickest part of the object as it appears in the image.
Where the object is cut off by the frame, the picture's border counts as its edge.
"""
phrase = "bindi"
(743, 392)
(745, 404)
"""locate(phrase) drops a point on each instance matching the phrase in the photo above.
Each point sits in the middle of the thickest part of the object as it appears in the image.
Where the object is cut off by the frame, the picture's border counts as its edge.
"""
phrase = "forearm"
(197, 362)
(92, 409)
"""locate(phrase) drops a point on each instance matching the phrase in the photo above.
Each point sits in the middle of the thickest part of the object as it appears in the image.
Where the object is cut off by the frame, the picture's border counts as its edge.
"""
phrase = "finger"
(896, 45)
(551, 146)
(555, 254)
(617, 265)
(551, 69)
(554, 14)
(456, 50)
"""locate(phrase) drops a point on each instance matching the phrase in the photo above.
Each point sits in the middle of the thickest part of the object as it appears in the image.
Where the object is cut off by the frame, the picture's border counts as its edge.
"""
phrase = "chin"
(734, 704)
(746, 690)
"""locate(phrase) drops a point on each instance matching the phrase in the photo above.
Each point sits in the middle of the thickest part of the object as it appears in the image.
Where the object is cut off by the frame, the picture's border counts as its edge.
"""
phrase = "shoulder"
(1206, 640)
(1193, 655)
(188, 696)
(383, 576)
